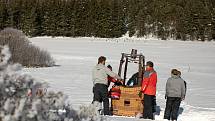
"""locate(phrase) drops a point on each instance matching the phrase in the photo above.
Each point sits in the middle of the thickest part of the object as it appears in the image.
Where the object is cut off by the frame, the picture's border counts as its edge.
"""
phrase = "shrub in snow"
(22, 98)
(23, 51)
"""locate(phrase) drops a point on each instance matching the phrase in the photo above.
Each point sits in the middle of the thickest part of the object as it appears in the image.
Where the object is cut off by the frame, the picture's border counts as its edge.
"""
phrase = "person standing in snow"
(185, 83)
(111, 79)
(175, 93)
(100, 80)
(149, 90)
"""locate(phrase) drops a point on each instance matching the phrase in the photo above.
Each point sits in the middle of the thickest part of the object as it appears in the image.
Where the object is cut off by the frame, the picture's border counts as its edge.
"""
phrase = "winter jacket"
(175, 87)
(115, 92)
(111, 79)
(100, 74)
(149, 82)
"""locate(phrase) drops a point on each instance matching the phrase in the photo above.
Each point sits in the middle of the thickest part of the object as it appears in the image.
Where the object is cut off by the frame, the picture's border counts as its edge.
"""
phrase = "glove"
(118, 83)
(182, 98)
(140, 94)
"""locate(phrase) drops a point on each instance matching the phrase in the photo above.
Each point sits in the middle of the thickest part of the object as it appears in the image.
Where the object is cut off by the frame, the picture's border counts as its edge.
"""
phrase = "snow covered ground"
(77, 56)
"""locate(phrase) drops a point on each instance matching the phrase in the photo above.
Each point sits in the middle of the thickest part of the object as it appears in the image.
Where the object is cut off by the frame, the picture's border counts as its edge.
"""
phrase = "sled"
(129, 103)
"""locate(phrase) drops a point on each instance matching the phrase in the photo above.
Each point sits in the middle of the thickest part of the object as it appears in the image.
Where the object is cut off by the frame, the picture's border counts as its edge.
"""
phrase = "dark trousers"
(154, 104)
(148, 107)
(172, 107)
(100, 92)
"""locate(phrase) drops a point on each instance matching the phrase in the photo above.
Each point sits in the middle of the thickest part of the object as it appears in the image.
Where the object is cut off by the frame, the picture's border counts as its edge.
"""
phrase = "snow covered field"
(77, 56)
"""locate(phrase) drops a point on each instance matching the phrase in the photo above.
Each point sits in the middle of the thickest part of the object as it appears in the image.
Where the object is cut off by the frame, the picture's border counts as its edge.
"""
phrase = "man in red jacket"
(149, 90)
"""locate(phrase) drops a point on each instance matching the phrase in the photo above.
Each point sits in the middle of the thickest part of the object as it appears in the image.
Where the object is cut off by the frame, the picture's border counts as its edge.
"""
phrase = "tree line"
(177, 19)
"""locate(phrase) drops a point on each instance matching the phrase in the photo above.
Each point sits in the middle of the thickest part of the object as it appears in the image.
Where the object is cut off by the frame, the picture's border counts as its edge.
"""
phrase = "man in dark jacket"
(175, 93)
(100, 81)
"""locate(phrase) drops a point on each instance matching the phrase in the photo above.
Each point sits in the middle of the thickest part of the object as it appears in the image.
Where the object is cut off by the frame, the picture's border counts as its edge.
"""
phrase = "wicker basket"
(129, 104)
(130, 90)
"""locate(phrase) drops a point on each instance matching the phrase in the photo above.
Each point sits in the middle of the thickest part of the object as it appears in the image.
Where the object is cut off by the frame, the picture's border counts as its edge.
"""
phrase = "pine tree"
(103, 19)
(91, 21)
(178, 19)
(28, 16)
(132, 16)
(1, 14)
(49, 17)
(69, 18)
(38, 20)
(118, 18)
(6, 11)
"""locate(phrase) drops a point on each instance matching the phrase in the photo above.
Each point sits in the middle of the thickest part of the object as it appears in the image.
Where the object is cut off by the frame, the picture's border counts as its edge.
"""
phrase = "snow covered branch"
(23, 98)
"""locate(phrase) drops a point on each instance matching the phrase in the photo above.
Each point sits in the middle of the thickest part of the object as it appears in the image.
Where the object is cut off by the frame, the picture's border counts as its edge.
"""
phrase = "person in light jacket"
(100, 80)
(175, 93)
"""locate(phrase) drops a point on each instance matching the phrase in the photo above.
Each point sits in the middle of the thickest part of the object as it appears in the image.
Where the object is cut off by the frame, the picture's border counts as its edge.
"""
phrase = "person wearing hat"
(100, 80)
(175, 93)
(149, 90)
(185, 83)
(111, 79)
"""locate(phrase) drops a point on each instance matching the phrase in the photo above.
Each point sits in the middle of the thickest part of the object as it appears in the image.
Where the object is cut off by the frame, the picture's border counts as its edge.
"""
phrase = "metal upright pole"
(120, 64)
(125, 72)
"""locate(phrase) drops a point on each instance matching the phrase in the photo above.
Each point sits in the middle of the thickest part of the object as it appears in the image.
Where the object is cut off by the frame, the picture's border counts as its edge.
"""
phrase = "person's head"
(174, 72)
(110, 67)
(179, 73)
(101, 60)
(149, 64)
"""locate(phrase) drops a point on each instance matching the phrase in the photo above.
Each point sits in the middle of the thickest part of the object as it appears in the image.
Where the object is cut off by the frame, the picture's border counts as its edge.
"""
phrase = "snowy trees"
(22, 98)
(23, 51)
(178, 19)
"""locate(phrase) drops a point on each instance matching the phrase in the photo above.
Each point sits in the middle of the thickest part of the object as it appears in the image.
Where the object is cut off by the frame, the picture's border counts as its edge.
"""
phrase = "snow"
(77, 56)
